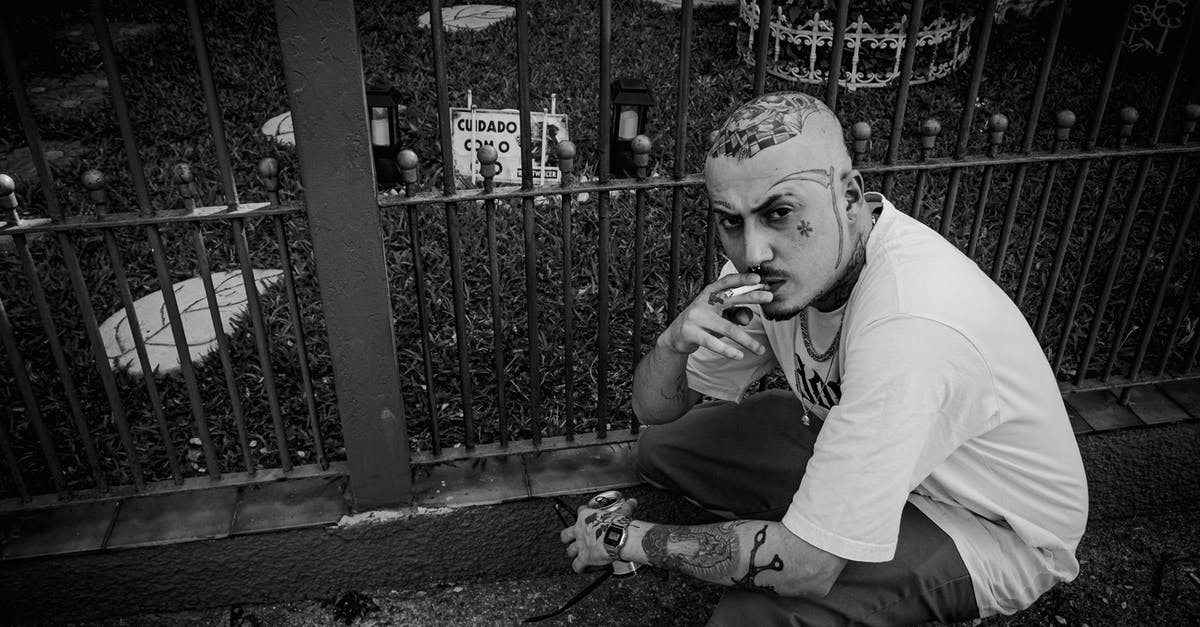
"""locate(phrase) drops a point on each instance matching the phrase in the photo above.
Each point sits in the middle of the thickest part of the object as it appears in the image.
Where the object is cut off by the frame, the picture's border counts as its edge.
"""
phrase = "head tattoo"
(763, 122)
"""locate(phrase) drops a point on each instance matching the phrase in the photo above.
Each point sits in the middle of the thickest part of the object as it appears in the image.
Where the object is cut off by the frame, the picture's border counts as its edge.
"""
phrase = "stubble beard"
(833, 296)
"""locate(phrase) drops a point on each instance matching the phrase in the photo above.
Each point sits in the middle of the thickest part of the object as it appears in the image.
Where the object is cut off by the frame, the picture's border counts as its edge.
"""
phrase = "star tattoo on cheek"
(805, 228)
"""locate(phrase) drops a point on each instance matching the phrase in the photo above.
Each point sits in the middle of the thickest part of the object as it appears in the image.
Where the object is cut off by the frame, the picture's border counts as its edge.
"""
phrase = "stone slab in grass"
(197, 322)
(279, 129)
(469, 16)
(675, 4)
(79, 96)
(62, 157)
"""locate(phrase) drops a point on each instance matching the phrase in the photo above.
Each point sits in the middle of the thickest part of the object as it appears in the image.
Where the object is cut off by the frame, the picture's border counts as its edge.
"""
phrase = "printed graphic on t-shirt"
(814, 389)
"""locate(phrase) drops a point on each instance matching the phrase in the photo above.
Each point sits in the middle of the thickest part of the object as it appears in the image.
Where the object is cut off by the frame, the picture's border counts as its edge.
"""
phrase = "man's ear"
(854, 191)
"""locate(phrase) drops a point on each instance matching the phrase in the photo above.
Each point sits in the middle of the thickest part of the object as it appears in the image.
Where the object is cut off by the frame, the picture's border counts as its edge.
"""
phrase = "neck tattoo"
(835, 298)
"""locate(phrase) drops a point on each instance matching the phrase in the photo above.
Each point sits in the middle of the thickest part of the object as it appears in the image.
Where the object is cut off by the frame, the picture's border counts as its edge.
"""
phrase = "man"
(924, 469)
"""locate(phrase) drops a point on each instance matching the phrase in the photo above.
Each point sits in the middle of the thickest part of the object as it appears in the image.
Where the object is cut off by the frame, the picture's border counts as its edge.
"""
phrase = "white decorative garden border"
(816, 35)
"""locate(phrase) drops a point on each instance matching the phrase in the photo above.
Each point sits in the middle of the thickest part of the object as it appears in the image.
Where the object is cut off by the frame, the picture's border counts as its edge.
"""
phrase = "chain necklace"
(808, 345)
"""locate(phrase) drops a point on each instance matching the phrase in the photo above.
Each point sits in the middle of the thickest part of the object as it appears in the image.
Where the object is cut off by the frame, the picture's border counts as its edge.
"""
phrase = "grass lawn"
(162, 84)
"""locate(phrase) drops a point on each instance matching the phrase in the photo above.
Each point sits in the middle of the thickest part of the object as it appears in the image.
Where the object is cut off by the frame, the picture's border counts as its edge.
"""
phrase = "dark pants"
(745, 461)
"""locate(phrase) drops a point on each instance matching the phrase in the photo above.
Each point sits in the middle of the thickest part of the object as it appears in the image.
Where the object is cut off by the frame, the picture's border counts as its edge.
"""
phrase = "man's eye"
(730, 222)
(779, 213)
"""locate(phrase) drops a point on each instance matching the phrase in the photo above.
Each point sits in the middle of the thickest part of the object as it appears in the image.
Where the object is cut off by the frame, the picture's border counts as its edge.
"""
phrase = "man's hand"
(584, 539)
(703, 322)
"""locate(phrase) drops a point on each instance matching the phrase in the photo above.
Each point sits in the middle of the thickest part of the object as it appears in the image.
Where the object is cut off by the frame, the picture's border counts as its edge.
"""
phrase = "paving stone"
(279, 128)
(486, 481)
(469, 16)
(193, 307)
(62, 157)
(57, 530)
(290, 504)
(175, 517)
(76, 96)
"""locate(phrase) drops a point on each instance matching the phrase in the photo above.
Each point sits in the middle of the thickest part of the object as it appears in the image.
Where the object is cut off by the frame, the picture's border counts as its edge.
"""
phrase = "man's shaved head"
(773, 119)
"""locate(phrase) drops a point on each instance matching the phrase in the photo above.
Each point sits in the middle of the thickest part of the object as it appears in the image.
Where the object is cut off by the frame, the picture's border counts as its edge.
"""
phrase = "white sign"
(501, 128)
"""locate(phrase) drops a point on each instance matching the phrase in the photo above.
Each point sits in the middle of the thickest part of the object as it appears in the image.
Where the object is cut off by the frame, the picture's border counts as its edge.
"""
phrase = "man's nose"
(758, 248)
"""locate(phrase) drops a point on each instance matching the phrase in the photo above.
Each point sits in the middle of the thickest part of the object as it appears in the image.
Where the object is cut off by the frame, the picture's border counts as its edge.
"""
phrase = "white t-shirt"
(938, 394)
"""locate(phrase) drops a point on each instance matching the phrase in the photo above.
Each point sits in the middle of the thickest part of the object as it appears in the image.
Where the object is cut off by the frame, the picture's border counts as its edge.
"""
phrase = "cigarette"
(738, 291)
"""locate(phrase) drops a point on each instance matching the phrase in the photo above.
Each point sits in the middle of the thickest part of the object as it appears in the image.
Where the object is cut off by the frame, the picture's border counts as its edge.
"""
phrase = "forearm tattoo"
(706, 551)
(747, 581)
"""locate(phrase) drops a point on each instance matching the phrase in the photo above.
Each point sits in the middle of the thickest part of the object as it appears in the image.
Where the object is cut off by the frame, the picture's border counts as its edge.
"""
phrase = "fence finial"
(929, 134)
(641, 155)
(861, 132)
(997, 125)
(487, 157)
(566, 160)
(1192, 111)
(408, 161)
(96, 184)
(1129, 117)
(8, 200)
(268, 171)
(1063, 121)
(185, 180)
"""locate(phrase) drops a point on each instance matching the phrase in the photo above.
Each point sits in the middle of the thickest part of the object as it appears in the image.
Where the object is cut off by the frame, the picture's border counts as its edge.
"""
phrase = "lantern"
(383, 107)
(631, 102)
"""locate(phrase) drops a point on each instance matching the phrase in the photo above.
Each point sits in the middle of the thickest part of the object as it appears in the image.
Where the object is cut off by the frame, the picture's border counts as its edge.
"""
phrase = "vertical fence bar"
(1143, 264)
(1063, 121)
(762, 36)
(319, 41)
(262, 341)
(60, 360)
(1165, 282)
(12, 75)
(929, 133)
(25, 387)
(906, 70)
(683, 87)
(451, 209)
(14, 469)
(407, 160)
(566, 166)
(487, 156)
(967, 121)
(641, 159)
(1085, 265)
(1035, 111)
(306, 387)
(235, 398)
(602, 207)
(158, 252)
(215, 123)
(997, 126)
(835, 54)
(121, 107)
(139, 344)
(99, 357)
(531, 250)
(1193, 114)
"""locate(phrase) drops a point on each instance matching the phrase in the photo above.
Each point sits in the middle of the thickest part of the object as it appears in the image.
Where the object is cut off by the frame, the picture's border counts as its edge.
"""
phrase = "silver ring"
(719, 298)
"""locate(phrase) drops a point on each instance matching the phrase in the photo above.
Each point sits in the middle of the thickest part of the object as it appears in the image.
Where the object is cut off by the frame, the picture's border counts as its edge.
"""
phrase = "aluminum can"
(608, 501)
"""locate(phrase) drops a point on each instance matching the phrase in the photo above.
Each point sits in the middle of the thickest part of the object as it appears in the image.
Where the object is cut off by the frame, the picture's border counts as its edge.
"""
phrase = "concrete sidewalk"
(1145, 487)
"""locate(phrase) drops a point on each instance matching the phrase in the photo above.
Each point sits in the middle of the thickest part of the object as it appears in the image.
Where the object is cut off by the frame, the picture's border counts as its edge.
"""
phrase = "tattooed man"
(921, 467)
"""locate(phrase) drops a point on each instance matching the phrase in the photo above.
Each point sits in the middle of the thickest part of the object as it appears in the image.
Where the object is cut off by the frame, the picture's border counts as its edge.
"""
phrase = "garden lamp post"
(383, 107)
(631, 102)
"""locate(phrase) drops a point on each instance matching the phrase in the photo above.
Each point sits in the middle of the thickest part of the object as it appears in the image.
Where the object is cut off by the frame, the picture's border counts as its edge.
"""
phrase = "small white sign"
(501, 128)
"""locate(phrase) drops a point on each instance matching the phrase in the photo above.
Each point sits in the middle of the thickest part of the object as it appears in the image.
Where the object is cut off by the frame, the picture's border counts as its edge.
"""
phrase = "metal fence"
(444, 348)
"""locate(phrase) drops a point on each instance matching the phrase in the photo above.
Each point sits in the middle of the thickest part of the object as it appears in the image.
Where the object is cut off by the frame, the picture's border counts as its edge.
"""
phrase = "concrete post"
(324, 73)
